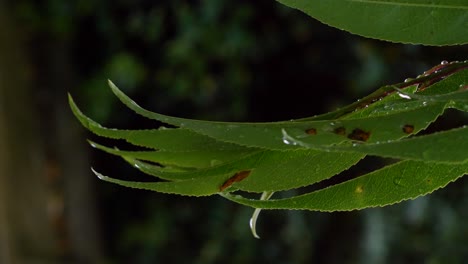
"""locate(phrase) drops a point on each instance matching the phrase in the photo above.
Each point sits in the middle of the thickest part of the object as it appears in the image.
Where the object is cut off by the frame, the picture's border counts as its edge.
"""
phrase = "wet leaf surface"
(200, 158)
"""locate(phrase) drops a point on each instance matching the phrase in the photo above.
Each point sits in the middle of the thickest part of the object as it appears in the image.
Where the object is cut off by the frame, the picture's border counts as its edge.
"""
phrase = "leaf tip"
(114, 88)
(99, 175)
(111, 84)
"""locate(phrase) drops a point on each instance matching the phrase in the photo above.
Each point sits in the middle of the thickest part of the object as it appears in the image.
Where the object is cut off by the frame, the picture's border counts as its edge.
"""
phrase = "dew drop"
(404, 96)
(424, 103)
(408, 79)
(288, 142)
(444, 62)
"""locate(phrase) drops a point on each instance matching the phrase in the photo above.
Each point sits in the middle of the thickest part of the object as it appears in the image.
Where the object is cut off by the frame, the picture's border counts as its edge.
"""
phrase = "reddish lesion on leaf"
(408, 129)
(340, 131)
(359, 135)
(311, 131)
(236, 178)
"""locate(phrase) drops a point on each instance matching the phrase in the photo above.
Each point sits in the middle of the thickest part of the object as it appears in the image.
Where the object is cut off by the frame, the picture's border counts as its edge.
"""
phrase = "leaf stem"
(256, 213)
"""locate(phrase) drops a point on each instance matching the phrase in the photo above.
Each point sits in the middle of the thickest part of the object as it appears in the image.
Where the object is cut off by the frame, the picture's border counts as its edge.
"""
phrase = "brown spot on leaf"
(236, 178)
(340, 131)
(359, 134)
(311, 131)
(408, 129)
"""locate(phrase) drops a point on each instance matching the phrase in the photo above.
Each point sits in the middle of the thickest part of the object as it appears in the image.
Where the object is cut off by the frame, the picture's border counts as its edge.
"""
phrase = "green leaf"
(392, 184)
(382, 121)
(194, 187)
(443, 22)
(447, 146)
(268, 169)
(195, 158)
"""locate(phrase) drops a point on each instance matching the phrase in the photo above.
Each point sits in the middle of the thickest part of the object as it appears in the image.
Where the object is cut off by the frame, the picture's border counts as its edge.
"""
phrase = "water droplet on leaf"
(404, 96)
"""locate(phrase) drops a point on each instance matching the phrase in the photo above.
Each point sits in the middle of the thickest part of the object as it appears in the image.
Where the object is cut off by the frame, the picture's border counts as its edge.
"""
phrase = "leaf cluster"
(200, 158)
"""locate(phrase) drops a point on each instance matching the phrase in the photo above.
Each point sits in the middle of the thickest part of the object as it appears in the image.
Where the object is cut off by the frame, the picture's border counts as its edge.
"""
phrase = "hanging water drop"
(408, 80)
(444, 62)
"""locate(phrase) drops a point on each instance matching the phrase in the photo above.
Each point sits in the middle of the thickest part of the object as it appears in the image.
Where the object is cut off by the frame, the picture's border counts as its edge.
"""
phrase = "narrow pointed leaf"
(270, 170)
(447, 146)
(199, 158)
(208, 186)
(392, 184)
(269, 135)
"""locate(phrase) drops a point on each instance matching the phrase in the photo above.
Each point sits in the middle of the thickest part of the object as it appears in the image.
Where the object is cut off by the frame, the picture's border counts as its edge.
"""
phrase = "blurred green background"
(216, 60)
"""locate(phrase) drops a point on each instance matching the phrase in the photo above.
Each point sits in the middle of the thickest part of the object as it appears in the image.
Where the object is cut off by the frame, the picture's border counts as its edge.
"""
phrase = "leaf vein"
(411, 4)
